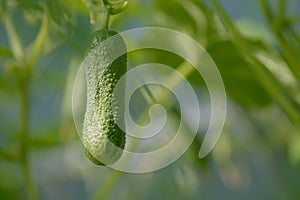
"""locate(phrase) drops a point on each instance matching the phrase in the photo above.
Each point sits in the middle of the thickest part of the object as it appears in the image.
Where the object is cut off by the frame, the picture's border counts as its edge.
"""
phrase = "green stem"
(297, 39)
(24, 161)
(39, 42)
(266, 10)
(281, 10)
(266, 79)
(19, 55)
(109, 185)
(14, 38)
(38, 46)
(107, 19)
(290, 58)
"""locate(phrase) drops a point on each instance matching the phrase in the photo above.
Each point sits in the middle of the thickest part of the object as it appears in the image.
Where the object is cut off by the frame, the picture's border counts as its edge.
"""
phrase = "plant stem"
(24, 80)
(107, 18)
(263, 75)
(24, 100)
(14, 38)
(19, 55)
(281, 10)
(109, 185)
(24, 126)
(39, 42)
(266, 10)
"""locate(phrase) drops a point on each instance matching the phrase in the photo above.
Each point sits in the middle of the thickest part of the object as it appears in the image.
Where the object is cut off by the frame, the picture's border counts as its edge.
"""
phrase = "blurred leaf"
(30, 4)
(2, 6)
(47, 141)
(261, 33)
(10, 181)
(294, 148)
(8, 154)
(214, 31)
(57, 11)
(194, 17)
(155, 56)
(240, 82)
(178, 15)
(5, 52)
(76, 6)
(278, 68)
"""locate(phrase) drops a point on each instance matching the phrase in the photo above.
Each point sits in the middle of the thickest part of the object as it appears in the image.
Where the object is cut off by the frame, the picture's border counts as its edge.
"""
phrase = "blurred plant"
(287, 101)
(22, 65)
(256, 72)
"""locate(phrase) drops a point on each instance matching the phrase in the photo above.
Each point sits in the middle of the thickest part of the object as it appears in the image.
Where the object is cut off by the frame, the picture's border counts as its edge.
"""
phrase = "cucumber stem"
(107, 18)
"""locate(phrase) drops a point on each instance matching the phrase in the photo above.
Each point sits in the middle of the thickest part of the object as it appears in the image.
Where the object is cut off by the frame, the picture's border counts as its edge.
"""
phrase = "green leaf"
(240, 82)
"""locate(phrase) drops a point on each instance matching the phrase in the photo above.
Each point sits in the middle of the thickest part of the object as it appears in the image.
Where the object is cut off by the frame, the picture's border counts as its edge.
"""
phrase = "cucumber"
(102, 138)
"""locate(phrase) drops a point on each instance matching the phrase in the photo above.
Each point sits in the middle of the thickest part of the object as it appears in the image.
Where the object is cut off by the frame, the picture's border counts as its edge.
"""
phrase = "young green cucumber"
(102, 138)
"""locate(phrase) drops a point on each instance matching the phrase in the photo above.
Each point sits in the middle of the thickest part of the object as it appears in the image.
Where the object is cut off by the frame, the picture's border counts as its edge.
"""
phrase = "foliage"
(42, 44)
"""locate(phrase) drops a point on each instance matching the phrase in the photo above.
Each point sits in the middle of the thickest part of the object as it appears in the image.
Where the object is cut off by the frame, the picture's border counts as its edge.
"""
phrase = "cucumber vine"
(106, 7)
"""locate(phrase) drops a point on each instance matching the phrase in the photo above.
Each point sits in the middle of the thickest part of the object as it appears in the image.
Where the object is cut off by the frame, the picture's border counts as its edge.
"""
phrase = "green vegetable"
(101, 133)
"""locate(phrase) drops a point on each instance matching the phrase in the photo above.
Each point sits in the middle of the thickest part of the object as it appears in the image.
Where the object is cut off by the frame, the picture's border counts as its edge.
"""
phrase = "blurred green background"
(256, 46)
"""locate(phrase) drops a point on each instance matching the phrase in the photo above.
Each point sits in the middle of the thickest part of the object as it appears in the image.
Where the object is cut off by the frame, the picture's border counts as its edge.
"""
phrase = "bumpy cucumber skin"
(101, 134)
